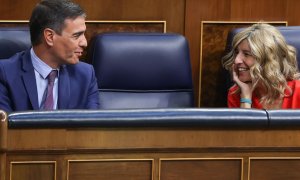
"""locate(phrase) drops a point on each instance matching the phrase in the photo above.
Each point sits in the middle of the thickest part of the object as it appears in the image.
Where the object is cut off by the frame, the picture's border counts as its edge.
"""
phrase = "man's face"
(68, 47)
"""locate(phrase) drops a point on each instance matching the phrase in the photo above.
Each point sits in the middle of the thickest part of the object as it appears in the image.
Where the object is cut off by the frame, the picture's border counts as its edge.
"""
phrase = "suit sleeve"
(5, 102)
(93, 93)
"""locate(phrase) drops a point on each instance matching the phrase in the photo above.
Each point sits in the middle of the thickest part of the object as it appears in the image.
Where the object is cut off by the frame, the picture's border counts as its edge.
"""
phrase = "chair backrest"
(290, 33)
(13, 40)
(142, 70)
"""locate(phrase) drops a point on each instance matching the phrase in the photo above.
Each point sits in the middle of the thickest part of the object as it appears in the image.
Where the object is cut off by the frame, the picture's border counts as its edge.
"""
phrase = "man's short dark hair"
(52, 14)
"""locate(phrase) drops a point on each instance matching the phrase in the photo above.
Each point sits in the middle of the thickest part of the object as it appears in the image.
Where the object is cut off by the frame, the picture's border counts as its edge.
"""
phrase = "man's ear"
(49, 36)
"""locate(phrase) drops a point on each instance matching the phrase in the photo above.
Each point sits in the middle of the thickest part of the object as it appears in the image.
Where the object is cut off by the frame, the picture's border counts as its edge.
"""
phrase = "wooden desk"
(156, 153)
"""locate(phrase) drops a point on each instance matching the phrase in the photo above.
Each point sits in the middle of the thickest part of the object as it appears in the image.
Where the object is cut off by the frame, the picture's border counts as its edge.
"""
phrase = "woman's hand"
(245, 87)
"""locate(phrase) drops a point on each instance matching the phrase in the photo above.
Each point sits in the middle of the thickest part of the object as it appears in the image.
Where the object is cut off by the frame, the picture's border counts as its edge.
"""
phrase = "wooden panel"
(110, 169)
(3, 143)
(16, 9)
(31, 139)
(213, 91)
(253, 10)
(43, 137)
(33, 171)
(292, 12)
(3, 130)
(204, 169)
(108, 153)
(2, 165)
(171, 11)
(197, 11)
(274, 169)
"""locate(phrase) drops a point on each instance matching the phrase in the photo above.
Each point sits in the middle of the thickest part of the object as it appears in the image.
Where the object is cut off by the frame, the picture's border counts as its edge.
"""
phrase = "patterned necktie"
(48, 101)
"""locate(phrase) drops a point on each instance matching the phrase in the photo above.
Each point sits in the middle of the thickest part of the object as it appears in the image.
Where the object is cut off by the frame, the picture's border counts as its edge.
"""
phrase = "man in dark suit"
(57, 30)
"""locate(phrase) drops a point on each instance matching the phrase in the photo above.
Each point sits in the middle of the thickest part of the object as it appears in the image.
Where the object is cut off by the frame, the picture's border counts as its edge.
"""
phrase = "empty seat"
(142, 70)
(13, 40)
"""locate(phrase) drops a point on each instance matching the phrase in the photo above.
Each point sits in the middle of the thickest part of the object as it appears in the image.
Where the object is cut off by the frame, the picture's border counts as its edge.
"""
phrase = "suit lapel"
(28, 77)
(63, 88)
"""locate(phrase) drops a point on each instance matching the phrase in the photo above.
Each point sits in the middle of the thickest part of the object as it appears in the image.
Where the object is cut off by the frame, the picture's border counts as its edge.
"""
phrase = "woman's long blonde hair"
(275, 64)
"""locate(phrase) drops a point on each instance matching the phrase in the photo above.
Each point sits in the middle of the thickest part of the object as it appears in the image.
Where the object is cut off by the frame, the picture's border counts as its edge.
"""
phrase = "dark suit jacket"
(77, 85)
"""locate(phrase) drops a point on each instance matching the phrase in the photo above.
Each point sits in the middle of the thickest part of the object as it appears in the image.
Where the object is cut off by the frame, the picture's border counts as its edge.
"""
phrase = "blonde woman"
(264, 69)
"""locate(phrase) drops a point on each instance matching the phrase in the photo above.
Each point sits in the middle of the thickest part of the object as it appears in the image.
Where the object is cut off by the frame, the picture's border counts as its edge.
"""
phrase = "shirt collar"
(40, 66)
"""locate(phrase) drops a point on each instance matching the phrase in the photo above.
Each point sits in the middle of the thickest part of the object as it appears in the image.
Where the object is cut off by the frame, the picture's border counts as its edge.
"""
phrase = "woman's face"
(243, 61)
